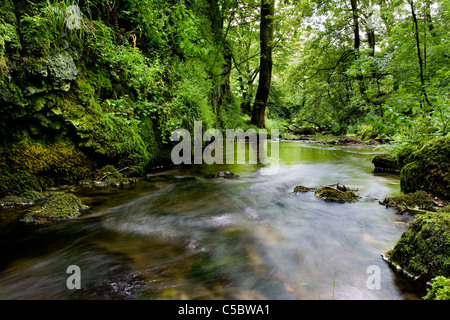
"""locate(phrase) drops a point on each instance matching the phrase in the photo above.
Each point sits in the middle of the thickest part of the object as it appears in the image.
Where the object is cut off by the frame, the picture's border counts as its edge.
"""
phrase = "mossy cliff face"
(71, 102)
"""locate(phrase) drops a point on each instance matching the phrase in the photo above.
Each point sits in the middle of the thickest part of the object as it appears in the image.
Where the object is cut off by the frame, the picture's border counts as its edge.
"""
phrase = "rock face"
(58, 206)
(423, 250)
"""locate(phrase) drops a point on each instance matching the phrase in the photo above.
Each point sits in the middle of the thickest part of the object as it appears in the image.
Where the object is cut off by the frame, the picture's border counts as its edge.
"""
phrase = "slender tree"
(265, 62)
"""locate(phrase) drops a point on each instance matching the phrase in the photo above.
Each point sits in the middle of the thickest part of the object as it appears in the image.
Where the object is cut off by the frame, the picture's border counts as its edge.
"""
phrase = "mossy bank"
(106, 92)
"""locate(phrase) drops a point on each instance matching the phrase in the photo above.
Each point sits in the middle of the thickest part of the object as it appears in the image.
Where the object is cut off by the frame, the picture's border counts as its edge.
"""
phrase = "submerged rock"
(340, 194)
(222, 174)
(59, 205)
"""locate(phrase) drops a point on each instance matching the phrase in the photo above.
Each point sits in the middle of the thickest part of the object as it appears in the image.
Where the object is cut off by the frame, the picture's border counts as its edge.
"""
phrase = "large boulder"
(423, 250)
(428, 169)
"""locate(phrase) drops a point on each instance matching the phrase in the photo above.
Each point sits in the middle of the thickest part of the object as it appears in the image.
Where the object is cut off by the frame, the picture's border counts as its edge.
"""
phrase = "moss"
(328, 193)
(110, 176)
(28, 197)
(34, 166)
(36, 38)
(423, 250)
(428, 169)
(58, 206)
(112, 139)
(301, 189)
(416, 200)
(385, 162)
(440, 289)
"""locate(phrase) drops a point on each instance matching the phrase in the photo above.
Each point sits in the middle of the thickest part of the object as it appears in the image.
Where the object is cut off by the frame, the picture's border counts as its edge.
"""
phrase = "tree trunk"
(265, 62)
(357, 43)
(221, 91)
(419, 55)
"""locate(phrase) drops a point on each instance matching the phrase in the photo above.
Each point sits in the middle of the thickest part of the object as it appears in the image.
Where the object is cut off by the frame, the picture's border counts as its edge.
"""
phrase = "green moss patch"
(440, 289)
(58, 206)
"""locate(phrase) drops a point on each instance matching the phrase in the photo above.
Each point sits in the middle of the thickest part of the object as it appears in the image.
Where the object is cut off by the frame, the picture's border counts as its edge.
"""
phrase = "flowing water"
(178, 235)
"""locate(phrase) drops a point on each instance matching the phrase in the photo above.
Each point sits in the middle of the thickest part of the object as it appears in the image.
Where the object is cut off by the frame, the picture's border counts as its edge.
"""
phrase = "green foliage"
(440, 289)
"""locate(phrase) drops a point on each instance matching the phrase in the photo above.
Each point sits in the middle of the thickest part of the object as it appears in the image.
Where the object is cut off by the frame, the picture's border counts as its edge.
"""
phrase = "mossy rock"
(302, 189)
(428, 169)
(440, 289)
(416, 200)
(110, 176)
(328, 193)
(25, 199)
(385, 162)
(423, 249)
(35, 166)
(222, 174)
(58, 206)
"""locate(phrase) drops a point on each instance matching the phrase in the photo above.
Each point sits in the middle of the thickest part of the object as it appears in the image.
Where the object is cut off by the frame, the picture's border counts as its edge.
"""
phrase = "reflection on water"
(178, 235)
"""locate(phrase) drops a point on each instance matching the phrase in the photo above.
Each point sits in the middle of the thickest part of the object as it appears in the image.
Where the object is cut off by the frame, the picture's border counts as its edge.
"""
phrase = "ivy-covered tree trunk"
(221, 90)
(265, 62)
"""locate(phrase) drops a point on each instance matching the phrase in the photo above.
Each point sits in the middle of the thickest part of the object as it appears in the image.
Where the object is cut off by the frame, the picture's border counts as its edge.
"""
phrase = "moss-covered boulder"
(58, 206)
(385, 162)
(440, 289)
(423, 250)
(302, 189)
(427, 168)
(340, 195)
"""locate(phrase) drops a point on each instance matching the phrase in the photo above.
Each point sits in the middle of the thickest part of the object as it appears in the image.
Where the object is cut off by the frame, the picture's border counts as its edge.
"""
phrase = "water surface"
(178, 235)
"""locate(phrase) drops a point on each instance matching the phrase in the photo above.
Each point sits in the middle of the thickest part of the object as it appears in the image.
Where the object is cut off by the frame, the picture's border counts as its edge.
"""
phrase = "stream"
(178, 235)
